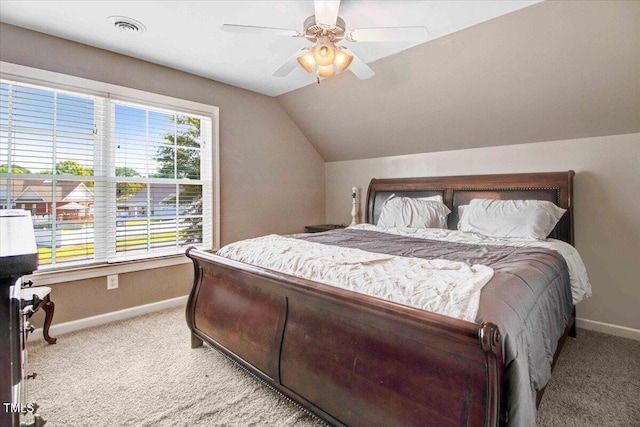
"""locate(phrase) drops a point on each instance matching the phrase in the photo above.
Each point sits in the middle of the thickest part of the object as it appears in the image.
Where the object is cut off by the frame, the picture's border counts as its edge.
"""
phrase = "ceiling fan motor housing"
(313, 30)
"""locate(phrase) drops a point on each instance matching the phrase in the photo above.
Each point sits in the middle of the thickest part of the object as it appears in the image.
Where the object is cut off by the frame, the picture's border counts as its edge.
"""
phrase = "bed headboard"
(556, 187)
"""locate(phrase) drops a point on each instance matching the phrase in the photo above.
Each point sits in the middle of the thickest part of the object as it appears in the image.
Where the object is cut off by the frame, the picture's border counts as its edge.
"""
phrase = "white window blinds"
(105, 180)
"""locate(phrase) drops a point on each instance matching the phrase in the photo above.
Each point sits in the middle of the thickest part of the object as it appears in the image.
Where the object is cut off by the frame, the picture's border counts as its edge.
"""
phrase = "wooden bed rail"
(351, 359)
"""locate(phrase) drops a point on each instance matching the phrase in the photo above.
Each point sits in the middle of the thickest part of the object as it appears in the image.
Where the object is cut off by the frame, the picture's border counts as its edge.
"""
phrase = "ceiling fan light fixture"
(327, 31)
(307, 61)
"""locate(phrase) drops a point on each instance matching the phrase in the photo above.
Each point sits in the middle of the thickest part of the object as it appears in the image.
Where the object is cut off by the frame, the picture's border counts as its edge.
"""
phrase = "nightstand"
(322, 227)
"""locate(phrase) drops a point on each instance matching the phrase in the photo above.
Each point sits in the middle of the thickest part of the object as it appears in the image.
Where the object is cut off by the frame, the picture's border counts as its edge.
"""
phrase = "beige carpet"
(596, 382)
(142, 372)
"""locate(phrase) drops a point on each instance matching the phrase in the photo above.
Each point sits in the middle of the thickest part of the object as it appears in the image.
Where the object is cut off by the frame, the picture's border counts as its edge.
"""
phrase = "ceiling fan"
(326, 30)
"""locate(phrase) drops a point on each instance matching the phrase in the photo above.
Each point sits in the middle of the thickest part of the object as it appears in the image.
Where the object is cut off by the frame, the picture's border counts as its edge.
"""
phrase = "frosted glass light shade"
(307, 61)
(326, 70)
(324, 54)
(342, 61)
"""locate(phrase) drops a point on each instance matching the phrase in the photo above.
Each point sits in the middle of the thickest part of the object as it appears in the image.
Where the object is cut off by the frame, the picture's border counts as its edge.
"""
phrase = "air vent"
(126, 25)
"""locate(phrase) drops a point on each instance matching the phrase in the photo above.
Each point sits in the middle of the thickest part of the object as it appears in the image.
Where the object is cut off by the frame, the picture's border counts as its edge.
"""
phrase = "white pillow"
(461, 209)
(414, 213)
(436, 198)
(518, 219)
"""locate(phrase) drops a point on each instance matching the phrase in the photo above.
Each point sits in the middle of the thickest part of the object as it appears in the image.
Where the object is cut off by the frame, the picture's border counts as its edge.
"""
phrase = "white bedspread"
(580, 285)
(446, 287)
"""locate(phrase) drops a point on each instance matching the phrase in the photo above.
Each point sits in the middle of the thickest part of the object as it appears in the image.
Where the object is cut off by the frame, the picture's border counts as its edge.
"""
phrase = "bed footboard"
(353, 360)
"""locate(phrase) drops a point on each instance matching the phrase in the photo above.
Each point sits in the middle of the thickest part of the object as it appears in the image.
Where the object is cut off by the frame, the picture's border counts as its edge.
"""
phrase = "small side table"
(322, 227)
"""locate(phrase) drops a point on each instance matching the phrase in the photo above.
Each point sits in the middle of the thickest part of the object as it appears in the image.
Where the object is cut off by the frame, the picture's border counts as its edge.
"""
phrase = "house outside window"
(106, 179)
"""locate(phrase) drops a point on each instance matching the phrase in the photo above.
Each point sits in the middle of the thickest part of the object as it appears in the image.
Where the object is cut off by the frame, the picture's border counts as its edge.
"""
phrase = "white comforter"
(446, 287)
(580, 285)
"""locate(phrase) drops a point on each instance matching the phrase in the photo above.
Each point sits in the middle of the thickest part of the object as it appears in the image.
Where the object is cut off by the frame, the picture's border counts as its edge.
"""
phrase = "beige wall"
(272, 179)
(607, 206)
(85, 298)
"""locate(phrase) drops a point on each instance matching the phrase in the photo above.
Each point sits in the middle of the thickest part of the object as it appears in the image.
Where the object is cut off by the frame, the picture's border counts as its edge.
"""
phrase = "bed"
(353, 359)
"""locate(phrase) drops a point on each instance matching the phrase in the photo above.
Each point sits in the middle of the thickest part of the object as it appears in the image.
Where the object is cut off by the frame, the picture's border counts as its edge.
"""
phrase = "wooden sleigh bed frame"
(357, 360)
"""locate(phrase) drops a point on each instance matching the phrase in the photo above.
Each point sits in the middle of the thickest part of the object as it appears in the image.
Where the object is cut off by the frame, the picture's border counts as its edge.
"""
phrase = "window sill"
(51, 277)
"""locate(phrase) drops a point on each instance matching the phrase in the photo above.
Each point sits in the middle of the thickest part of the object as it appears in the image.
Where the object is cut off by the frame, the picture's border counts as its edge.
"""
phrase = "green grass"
(142, 239)
(84, 251)
(65, 253)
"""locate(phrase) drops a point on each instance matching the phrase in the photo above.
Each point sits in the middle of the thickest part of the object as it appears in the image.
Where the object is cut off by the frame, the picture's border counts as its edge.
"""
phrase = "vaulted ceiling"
(552, 71)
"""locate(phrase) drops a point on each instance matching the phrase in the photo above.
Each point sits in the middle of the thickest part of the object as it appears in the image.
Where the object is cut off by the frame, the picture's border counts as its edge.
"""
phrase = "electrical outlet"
(112, 281)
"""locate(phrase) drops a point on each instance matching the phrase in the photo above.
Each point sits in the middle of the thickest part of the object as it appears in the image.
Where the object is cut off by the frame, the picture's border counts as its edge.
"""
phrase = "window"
(106, 179)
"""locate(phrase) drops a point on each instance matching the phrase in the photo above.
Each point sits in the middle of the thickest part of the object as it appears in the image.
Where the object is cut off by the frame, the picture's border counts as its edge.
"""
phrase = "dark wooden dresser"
(18, 257)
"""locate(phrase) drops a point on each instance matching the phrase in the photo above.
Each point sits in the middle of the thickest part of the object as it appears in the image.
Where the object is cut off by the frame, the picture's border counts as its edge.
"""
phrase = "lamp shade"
(18, 247)
(18, 236)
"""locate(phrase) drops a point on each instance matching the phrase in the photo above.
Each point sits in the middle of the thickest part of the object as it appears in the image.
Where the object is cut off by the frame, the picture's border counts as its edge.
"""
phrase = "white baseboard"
(88, 322)
(607, 328)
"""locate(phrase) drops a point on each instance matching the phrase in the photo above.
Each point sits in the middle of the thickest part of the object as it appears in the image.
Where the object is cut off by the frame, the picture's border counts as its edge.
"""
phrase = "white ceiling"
(186, 35)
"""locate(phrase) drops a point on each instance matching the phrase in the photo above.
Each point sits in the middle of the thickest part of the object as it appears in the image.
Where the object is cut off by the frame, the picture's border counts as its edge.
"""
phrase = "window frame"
(64, 82)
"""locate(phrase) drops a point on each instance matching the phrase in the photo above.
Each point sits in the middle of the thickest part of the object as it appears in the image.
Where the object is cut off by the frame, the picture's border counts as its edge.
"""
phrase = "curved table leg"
(48, 308)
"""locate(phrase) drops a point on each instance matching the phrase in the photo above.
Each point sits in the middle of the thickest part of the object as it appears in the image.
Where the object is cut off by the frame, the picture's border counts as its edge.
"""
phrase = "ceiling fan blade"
(358, 66)
(392, 34)
(326, 11)
(290, 64)
(250, 29)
